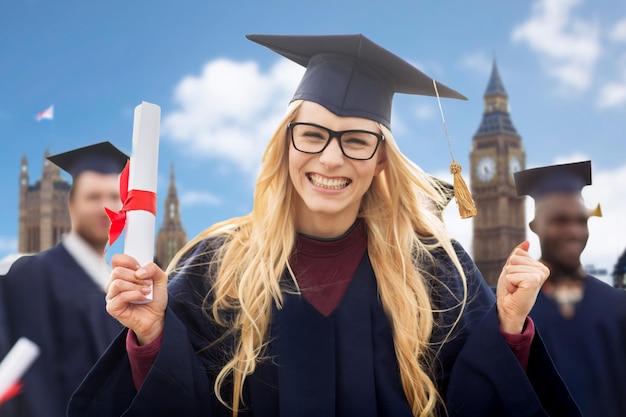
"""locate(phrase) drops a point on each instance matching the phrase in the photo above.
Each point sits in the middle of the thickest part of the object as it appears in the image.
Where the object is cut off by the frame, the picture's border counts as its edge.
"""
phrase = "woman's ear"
(382, 161)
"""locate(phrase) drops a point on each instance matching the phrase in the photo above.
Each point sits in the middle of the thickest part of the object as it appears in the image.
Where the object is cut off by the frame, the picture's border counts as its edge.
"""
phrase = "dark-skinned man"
(581, 319)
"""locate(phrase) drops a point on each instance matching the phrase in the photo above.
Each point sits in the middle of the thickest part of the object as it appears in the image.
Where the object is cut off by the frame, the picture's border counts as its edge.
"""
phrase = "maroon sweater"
(324, 269)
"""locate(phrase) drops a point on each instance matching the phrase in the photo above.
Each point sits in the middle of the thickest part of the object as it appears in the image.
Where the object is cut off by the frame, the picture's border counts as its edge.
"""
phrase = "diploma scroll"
(140, 224)
(16, 363)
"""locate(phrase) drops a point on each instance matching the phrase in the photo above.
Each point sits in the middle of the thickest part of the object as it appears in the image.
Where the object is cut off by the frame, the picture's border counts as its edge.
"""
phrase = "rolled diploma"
(16, 362)
(139, 237)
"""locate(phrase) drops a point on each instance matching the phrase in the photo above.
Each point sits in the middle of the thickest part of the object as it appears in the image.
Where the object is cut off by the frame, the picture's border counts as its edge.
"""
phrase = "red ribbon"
(11, 392)
(131, 200)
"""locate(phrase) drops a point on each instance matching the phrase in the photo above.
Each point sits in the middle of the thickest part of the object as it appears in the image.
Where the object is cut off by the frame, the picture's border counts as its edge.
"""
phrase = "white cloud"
(607, 240)
(460, 229)
(7, 261)
(8, 244)
(431, 68)
(569, 45)
(8, 253)
(194, 198)
(573, 157)
(612, 94)
(231, 109)
(478, 61)
(424, 112)
(618, 33)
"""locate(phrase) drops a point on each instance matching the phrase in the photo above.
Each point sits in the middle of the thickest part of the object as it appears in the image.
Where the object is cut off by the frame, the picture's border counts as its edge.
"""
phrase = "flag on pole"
(46, 114)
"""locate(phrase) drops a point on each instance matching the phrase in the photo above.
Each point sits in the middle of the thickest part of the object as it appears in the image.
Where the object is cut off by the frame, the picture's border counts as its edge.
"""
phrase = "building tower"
(496, 154)
(171, 236)
(43, 214)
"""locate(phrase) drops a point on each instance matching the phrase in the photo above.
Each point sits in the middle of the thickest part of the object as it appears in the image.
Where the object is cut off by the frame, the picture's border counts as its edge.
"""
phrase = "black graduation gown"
(4, 341)
(340, 365)
(8, 408)
(4, 331)
(589, 350)
(51, 300)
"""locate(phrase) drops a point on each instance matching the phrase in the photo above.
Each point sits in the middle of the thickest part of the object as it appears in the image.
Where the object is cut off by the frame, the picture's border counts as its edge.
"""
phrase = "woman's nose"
(332, 155)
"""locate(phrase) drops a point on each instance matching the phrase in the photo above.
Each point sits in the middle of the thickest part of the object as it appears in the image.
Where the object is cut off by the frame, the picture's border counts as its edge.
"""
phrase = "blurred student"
(56, 298)
(581, 319)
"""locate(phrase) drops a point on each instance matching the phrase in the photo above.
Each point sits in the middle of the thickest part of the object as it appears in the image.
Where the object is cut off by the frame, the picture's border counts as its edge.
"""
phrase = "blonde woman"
(340, 294)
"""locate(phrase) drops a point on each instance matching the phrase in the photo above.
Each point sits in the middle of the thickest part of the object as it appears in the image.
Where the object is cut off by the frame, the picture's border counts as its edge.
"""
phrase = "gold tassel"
(464, 199)
(595, 212)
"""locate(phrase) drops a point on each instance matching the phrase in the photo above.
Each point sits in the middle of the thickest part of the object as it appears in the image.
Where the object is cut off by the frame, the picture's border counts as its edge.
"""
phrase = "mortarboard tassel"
(597, 211)
(461, 192)
(463, 197)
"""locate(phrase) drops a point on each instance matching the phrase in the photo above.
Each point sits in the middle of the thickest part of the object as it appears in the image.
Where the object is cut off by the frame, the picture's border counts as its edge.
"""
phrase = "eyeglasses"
(355, 144)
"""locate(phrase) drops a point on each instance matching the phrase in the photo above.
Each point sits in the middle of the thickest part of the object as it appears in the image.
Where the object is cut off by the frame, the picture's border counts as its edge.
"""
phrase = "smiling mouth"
(328, 183)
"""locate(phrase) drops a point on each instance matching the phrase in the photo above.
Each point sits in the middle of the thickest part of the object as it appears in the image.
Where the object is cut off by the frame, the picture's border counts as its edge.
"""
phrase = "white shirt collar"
(93, 263)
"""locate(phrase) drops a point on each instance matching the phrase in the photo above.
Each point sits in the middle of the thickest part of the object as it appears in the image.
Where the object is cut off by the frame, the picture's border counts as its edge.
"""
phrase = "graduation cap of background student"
(446, 190)
(352, 76)
(563, 178)
(102, 157)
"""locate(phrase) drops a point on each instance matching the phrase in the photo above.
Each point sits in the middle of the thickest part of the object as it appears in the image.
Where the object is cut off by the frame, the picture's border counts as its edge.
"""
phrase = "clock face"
(486, 169)
(514, 165)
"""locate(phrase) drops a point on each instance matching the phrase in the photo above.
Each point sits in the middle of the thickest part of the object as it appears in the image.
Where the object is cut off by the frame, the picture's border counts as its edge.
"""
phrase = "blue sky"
(562, 62)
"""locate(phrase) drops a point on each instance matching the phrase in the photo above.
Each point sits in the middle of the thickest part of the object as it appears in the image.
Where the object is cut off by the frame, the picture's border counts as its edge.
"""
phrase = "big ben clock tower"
(496, 154)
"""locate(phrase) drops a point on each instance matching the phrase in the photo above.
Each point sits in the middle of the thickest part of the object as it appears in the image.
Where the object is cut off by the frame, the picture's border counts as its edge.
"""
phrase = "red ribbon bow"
(131, 200)
(11, 392)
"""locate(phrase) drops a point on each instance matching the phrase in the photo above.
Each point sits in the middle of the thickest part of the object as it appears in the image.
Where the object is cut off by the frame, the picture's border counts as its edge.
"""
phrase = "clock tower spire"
(171, 236)
(497, 152)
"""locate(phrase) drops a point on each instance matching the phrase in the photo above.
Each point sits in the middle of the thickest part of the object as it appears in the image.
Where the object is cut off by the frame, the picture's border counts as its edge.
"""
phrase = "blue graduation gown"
(589, 349)
(340, 365)
(51, 300)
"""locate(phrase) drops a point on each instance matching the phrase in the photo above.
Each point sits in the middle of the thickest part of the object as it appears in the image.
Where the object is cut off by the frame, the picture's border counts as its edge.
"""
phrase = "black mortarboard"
(564, 178)
(445, 189)
(102, 157)
(350, 75)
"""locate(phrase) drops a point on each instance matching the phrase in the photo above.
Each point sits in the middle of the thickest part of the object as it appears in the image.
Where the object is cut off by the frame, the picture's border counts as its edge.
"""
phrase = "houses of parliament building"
(496, 153)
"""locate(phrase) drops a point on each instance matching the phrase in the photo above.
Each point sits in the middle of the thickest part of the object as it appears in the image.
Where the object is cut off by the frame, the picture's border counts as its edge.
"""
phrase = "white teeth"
(330, 183)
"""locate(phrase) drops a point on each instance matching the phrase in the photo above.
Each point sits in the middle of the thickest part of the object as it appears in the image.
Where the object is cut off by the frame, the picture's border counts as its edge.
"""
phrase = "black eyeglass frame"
(334, 134)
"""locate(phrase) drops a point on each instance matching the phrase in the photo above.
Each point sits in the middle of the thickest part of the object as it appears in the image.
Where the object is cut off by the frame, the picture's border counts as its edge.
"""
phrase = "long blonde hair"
(257, 247)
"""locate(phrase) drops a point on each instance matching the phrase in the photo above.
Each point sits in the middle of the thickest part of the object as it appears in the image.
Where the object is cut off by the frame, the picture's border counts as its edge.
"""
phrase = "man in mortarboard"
(56, 298)
(582, 319)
